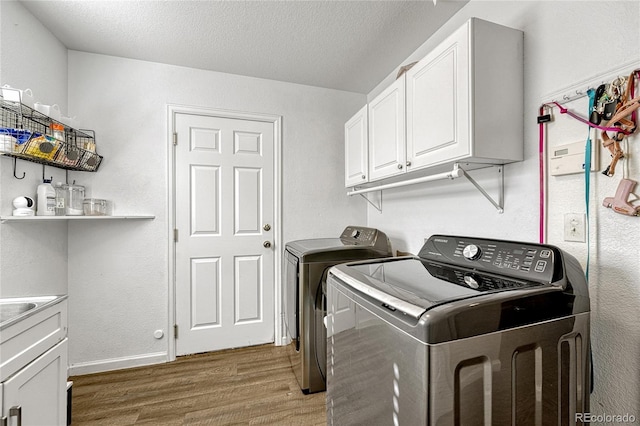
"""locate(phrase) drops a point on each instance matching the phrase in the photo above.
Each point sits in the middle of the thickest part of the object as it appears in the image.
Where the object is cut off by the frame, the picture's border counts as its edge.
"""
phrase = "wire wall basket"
(26, 134)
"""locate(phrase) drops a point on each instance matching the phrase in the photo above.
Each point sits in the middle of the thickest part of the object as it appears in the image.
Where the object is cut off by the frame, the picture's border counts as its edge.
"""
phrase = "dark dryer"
(471, 332)
(306, 266)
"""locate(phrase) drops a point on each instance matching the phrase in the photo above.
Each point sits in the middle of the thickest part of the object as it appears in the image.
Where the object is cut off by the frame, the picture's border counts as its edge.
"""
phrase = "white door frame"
(276, 120)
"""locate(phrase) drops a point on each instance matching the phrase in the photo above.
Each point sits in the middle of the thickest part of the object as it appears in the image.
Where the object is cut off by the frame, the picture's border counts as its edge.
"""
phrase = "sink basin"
(15, 308)
(9, 310)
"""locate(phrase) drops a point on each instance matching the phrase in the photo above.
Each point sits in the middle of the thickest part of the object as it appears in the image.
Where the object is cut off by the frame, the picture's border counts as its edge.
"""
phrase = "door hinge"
(175, 235)
(175, 331)
(175, 138)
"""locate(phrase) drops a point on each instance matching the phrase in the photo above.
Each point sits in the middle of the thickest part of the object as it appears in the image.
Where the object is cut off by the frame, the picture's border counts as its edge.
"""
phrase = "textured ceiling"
(346, 45)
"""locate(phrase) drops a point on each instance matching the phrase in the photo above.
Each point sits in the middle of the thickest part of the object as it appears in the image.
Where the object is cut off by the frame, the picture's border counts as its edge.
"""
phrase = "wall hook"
(15, 161)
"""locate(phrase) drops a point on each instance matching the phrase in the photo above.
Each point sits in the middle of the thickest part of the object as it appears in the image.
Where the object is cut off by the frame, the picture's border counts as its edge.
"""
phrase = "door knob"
(267, 244)
(267, 227)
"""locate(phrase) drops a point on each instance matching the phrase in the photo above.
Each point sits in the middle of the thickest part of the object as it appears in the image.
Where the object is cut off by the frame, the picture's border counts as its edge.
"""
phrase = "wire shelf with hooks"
(26, 134)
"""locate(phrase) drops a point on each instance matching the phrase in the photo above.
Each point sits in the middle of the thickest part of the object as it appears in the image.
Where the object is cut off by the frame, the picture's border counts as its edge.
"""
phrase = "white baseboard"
(117, 363)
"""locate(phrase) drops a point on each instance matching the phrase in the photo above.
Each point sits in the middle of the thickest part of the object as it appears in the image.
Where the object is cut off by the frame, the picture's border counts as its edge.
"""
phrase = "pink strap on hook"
(564, 110)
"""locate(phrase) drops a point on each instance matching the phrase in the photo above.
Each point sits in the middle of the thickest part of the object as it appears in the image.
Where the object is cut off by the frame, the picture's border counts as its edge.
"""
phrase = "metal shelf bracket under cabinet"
(456, 172)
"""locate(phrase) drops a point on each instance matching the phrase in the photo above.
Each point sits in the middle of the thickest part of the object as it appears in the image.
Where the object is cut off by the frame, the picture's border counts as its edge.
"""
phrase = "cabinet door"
(387, 132)
(356, 151)
(438, 99)
(39, 389)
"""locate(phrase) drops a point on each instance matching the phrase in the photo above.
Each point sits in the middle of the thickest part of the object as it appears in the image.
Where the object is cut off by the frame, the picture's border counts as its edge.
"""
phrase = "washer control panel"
(530, 261)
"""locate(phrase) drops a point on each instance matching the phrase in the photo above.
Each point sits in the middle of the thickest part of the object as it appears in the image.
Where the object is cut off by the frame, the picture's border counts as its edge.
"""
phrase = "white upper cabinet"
(462, 103)
(464, 99)
(387, 132)
(356, 150)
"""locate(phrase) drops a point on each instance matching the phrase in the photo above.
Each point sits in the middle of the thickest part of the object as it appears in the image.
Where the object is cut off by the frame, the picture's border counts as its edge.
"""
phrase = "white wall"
(561, 48)
(118, 272)
(32, 257)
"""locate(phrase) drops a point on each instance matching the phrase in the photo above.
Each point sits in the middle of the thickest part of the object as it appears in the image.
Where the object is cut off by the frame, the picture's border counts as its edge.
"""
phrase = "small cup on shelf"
(96, 207)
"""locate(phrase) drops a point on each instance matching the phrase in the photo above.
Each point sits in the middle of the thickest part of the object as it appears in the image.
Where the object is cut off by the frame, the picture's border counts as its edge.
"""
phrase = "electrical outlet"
(574, 227)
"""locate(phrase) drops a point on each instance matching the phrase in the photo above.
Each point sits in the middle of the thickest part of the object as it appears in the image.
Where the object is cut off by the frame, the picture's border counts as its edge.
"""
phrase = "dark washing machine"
(470, 332)
(306, 266)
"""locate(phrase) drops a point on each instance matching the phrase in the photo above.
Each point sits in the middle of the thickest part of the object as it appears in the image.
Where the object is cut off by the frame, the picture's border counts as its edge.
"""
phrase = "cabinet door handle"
(408, 163)
(16, 411)
(399, 166)
(364, 177)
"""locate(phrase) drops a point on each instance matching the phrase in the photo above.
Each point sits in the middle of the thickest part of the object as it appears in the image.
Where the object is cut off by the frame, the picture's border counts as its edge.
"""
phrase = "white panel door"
(438, 116)
(387, 132)
(224, 197)
(356, 150)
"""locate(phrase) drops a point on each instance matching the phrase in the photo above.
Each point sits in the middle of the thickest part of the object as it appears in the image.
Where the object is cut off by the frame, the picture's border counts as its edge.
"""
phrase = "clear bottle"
(60, 199)
(46, 199)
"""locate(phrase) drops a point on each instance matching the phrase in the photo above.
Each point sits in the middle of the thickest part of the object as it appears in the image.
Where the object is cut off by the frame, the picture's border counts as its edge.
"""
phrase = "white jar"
(46, 199)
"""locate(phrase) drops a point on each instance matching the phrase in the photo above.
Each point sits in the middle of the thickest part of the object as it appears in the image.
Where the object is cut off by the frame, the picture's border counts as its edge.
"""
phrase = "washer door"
(320, 312)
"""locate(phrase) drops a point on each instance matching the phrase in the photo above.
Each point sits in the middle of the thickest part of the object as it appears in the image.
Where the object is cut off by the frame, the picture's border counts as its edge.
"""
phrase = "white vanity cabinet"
(37, 394)
(465, 99)
(356, 149)
(33, 367)
(387, 132)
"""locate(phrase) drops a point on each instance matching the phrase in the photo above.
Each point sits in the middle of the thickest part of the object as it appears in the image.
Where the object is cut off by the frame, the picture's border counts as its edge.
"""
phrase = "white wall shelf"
(4, 219)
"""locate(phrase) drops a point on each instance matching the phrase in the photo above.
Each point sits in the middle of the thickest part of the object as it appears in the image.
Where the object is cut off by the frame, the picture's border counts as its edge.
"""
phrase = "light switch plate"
(575, 227)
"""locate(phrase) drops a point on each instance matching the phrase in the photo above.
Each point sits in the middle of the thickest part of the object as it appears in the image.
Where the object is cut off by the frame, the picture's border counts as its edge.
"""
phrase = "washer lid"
(413, 286)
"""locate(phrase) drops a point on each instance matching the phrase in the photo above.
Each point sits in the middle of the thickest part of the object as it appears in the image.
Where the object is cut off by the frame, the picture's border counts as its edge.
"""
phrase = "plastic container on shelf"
(60, 199)
(19, 137)
(46, 199)
(52, 111)
(73, 200)
(7, 142)
(17, 95)
(97, 207)
(57, 130)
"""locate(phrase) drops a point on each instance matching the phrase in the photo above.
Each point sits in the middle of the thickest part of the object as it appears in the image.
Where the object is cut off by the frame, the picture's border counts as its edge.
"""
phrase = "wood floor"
(247, 386)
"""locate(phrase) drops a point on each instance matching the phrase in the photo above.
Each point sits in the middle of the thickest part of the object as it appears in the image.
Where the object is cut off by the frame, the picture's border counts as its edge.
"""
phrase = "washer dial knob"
(472, 252)
(471, 281)
(355, 233)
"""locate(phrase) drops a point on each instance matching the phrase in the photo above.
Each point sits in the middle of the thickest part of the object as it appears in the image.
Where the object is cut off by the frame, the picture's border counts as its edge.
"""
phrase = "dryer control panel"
(362, 236)
(534, 262)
